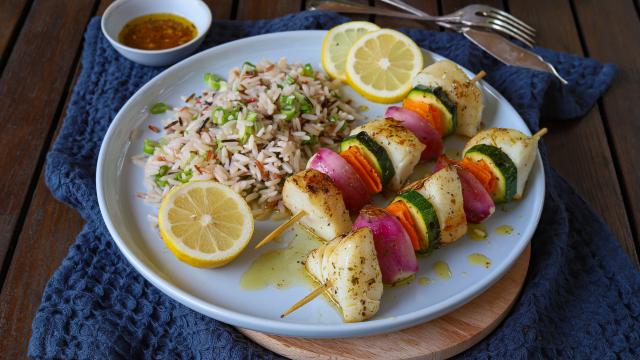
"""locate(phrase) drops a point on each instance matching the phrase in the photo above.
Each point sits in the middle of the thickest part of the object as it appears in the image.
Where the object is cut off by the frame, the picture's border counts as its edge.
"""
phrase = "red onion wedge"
(395, 253)
(478, 204)
(354, 193)
(420, 128)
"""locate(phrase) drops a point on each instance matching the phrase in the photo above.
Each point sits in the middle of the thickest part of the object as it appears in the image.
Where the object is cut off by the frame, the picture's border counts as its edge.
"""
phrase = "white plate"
(217, 292)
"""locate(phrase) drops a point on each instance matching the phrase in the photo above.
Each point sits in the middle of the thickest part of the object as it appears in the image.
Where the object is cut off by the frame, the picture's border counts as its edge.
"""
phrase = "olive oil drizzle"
(504, 230)
(281, 268)
(442, 270)
(477, 232)
(479, 259)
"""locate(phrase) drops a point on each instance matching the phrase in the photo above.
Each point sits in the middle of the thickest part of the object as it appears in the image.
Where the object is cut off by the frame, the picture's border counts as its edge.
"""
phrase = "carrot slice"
(436, 115)
(367, 173)
(428, 112)
(482, 172)
(401, 212)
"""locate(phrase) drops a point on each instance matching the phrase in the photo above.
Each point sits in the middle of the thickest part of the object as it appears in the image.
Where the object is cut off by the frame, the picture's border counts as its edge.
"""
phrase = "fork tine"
(509, 21)
(509, 31)
(514, 19)
(514, 32)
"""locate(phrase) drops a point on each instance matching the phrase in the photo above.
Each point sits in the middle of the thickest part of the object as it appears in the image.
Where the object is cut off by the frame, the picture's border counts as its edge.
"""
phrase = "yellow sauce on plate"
(442, 270)
(477, 232)
(504, 230)
(479, 259)
(281, 268)
(157, 32)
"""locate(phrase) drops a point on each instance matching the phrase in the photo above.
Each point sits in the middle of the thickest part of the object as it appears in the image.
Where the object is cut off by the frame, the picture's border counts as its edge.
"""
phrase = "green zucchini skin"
(438, 97)
(374, 152)
(425, 217)
(502, 167)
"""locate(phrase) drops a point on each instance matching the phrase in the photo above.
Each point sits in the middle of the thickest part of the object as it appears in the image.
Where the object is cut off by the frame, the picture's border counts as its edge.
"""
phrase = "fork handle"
(348, 7)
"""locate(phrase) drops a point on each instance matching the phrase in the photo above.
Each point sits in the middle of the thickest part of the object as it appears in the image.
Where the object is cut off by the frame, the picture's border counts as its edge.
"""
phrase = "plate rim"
(239, 319)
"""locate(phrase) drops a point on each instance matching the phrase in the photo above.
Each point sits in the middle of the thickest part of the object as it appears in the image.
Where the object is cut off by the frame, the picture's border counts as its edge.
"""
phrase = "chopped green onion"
(216, 82)
(334, 118)
(160, 182)
(290, 111)
(287, 100)
(220, 115)
(184, 176)
(335, 94)
(305, 104)
(234, 113)
(248, 67)
(210, 78)
(252, 116)
(246, 132)
(162, 171)
(289, 80)
(344, 126)
(363, 108)
(312, 141)
(219, 144)
(149, 146)
(307, 70)
(159, 108)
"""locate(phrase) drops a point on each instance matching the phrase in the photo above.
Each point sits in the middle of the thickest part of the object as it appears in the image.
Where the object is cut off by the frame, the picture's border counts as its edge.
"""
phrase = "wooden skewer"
(280, 229)
(540, 133)
(312, 295)
(478, 76)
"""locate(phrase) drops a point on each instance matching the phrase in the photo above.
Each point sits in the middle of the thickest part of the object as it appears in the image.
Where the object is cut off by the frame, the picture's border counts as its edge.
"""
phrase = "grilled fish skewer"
(348, 267)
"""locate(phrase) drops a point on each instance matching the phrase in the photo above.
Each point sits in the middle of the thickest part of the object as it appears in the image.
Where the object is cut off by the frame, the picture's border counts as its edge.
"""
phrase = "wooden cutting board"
(438, 339)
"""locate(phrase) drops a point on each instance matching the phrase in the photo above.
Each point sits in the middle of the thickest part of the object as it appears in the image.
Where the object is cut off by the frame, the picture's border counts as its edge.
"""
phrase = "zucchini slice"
(376, 155)
(501, 166)
(424, 217)
(437, 97)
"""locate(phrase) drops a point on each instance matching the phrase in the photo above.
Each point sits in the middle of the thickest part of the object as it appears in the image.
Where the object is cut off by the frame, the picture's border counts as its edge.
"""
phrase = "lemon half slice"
(205, 223)
(381, 65)
(337, 43)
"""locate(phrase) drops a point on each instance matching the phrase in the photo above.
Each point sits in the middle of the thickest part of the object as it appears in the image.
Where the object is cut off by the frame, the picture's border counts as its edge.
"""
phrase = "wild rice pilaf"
(249, 132)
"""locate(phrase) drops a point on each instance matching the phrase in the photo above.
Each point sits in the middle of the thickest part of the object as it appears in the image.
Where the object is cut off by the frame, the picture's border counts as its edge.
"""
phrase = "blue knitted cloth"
(581, 298)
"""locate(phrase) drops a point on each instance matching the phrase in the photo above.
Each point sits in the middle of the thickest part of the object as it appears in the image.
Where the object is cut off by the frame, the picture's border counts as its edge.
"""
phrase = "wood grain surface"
(612, 34)
(12, 13)
(579, 149)
(40, 43)
(34, 81)
(438, 339)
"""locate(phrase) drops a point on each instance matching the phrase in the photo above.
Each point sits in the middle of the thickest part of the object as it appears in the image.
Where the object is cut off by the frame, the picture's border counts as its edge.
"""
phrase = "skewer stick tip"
(280, 229)
(540, 133)
(312, 295)
(478, 76)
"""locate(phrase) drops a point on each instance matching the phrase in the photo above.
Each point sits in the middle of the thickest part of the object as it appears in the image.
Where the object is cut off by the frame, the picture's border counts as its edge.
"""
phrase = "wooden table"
(40, 44)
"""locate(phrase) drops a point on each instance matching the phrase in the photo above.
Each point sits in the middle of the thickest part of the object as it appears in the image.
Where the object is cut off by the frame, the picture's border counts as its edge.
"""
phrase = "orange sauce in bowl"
(157, 32)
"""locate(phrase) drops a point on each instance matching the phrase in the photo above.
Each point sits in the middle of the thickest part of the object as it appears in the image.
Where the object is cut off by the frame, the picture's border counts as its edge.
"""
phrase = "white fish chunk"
(350, 264)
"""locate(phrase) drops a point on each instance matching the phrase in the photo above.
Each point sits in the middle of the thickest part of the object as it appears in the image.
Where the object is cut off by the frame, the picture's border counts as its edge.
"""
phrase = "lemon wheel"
(336, 45)
(381, 65)
(205, 223)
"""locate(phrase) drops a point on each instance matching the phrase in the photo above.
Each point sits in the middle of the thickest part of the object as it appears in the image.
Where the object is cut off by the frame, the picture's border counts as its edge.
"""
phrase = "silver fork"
(494, 18)
(480, 16)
